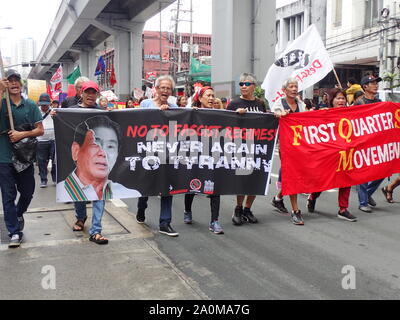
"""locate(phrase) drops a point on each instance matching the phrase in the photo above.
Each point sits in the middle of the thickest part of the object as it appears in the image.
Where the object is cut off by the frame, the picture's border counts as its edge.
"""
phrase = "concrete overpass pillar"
(84, 62)
(136, 55)
(243, 41)
(122, 61)
(128, 60)
(92, 64)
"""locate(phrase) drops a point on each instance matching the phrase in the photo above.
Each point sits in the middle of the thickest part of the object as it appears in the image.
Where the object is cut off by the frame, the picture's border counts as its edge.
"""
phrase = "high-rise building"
(24, 51)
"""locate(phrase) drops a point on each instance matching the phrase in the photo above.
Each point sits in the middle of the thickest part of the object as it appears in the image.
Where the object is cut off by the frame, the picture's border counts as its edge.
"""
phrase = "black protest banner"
(148, 152)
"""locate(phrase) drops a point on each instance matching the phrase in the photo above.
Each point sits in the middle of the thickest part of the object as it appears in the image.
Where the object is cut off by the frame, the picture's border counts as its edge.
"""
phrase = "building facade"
(362, 36)
(170, 53)
(24, 51)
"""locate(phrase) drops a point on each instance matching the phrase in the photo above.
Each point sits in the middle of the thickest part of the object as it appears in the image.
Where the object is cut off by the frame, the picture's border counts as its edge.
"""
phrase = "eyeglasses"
(247, 84)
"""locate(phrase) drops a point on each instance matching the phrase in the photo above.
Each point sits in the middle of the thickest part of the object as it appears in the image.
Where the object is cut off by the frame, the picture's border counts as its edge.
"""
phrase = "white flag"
(305, 59)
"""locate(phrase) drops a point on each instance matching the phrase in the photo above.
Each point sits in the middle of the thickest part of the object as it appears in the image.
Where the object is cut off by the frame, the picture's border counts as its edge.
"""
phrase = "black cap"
(12, 72)
(223, 100)
(367, 79)
(44, 99)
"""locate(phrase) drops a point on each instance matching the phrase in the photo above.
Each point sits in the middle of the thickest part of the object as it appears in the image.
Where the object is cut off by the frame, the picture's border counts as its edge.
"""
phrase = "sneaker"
(15, 241)
(168, 231)
(21, 222)
(279, 205)
(187, 217)
(346, 215)
(140, 216)
(365, 209)
(311, 205)
(297, 218)
(371, 202)
(248, 216)
(216, 227)
(237, 217)
(43, 184)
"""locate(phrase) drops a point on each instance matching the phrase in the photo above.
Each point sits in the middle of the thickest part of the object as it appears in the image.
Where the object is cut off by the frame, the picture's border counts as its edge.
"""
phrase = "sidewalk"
(130, 267)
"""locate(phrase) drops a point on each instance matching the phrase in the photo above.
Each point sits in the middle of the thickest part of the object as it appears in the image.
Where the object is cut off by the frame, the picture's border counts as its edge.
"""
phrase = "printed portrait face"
(97, 155)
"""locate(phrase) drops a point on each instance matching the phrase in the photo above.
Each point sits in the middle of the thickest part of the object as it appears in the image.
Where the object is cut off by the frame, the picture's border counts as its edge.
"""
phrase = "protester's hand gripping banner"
(305, 59)
(139, 152)
(340, 147)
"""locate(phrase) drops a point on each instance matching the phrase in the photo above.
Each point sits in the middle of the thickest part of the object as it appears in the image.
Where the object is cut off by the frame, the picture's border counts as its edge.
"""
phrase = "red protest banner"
(340, 147)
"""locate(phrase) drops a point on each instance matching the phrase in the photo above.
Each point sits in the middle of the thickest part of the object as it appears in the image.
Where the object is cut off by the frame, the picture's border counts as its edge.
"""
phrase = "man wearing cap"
(73, 101)
(365, 191)
(11, 181)
(46, 147)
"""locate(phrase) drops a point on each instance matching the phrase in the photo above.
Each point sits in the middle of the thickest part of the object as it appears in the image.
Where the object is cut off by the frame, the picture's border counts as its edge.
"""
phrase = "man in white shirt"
(46, 148)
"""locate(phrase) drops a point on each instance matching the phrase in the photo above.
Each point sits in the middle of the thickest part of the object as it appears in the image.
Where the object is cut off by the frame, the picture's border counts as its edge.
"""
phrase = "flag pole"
(337, 78)
(7, 94)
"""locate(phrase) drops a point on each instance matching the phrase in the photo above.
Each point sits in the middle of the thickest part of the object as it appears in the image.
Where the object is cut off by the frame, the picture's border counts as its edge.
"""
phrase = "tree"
(391, 78)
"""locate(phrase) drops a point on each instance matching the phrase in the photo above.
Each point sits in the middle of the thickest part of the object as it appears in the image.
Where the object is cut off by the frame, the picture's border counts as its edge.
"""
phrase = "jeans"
(214, 204)
(45, 151)
(10, 182)
(165, 211)
(98, 210)
(366, 190)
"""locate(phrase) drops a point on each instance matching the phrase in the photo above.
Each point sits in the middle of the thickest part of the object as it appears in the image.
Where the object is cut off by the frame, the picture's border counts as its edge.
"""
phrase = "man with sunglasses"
(247, 102)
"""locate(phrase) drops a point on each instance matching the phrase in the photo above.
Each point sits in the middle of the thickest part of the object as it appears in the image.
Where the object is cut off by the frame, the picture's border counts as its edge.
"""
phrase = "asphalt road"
(275, 259)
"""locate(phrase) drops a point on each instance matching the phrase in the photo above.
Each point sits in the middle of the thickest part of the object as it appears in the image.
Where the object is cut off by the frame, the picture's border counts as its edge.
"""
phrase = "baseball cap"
(368, 79)
(90, 85)
(44, 99)
(12, 72)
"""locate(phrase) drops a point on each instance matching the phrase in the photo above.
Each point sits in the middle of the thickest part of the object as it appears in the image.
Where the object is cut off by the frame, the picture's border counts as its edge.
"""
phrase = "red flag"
(48, 85)
(340, 147)
(113, 79)
(71, 90)
(57, 87)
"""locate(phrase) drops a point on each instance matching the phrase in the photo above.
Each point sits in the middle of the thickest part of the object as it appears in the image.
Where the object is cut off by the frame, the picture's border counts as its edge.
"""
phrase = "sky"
(35, 18)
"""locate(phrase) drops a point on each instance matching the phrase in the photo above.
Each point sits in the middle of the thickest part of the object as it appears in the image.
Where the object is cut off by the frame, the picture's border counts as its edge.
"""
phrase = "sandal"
(79, 224)
(388, 194)
(98, 238)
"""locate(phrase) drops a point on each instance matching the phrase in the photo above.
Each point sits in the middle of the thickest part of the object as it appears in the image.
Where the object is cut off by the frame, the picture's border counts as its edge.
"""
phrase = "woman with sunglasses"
(247, 102)
(204, 99)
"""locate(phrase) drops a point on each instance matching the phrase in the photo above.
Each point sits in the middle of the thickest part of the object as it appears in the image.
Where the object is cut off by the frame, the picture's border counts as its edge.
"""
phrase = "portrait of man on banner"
(94, 150)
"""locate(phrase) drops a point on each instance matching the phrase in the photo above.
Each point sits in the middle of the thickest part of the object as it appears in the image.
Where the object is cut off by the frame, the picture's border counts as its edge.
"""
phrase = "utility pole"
(191, 33)
(160, 40)
(383, 44)
(176, 49)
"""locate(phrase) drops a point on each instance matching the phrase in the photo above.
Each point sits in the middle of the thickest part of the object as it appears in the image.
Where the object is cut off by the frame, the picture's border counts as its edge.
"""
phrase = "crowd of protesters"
(88, 96)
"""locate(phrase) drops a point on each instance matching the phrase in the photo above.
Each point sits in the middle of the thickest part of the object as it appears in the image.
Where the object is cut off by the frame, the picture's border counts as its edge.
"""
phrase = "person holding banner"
(247, 102)
(369, 84)
(164, 87)
(337, 99)
(23, 111)
(283, 106)
(94, 150)
(73, 101)
(204, 99)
